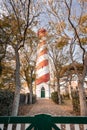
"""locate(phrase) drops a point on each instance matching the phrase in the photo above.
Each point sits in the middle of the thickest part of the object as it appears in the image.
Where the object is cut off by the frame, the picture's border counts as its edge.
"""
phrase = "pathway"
(47, 106)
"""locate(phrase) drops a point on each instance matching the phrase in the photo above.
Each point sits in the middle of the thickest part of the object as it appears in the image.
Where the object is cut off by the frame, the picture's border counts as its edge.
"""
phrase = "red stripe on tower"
(42, 68)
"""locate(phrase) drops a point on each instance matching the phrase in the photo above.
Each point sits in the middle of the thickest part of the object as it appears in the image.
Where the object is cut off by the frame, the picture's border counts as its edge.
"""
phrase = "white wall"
(47, 90)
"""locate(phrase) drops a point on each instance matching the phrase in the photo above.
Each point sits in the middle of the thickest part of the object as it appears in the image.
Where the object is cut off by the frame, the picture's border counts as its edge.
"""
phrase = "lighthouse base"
(43, 90)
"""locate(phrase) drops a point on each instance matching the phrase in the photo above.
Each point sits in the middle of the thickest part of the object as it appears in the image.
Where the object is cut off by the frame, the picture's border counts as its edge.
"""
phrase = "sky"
(44, 17)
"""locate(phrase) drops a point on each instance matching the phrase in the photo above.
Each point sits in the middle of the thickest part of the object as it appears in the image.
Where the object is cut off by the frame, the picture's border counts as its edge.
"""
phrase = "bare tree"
(20, 15)
(65, 21)
(77, 37)
(28, 61)
(58, 60)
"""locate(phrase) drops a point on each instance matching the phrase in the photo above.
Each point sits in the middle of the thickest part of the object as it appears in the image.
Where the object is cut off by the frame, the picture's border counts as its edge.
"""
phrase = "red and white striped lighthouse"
(42, 66)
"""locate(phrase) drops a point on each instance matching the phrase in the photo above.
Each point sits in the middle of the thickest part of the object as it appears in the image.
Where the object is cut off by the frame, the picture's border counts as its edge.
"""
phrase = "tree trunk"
(31, 95)
(18, 85)
(58, 90)
(31, 92)
(82, 95)
(70, 95)
(82, 98)
(59, 97)
(0, 68)
(26, 99)
(70, 91)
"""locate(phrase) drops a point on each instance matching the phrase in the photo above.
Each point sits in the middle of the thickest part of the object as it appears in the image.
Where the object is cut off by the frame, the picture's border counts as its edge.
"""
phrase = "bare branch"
(25, 31)
(75, 30)
(14, 9)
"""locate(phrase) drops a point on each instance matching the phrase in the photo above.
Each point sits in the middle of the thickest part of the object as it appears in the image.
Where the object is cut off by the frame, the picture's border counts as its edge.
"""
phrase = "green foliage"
(70, 69)
(66, 96)
(76, 102)
(6, 100)
(7, 76)
(62, 42)
(83, 24)
(54, 97)
(83, 40)
(11, 29)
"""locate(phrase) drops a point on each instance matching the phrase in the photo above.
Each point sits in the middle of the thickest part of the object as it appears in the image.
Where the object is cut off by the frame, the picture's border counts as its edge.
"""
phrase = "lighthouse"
(42, 67)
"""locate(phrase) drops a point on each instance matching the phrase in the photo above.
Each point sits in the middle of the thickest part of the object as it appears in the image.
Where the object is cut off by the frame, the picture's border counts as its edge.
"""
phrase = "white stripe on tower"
(42, 58)
(42, 68)
(42, 71)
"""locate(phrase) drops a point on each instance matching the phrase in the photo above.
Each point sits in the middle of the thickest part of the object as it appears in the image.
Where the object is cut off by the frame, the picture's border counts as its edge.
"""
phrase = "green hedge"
(6, 100)
(54, 97)
(76, 102)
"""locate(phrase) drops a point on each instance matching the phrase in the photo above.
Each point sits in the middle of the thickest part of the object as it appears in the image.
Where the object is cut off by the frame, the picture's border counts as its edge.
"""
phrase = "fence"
(43, 122)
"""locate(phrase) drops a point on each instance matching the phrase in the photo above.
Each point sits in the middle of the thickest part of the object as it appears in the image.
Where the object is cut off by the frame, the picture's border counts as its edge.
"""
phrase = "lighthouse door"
(42, 92)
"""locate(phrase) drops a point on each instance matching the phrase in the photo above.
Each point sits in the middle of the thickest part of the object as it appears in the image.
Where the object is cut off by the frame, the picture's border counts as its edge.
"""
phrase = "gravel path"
(47, 106)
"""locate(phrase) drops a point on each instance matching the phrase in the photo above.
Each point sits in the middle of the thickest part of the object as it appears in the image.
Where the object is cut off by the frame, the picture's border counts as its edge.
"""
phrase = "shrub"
(6, 100)
(54, 97)
(66, 96)
(76, 102)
